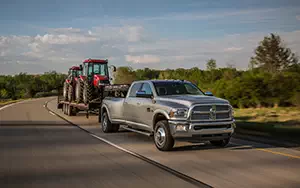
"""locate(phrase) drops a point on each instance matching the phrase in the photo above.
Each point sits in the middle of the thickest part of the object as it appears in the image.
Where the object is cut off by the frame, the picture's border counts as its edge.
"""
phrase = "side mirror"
(113, 68)
(80, 66)
(208, 93)
(143, 94)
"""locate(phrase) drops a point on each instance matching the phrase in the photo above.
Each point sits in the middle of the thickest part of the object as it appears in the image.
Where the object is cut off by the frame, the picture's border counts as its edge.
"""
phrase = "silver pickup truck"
(169, 110)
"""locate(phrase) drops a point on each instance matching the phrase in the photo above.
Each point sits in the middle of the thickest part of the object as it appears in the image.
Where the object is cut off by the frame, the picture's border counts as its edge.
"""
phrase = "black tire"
(78, 91)
(70, 93)
(65, 91)
(106, 125)
(115, 127)
(162, 136)
(220, 143)
(87, 92)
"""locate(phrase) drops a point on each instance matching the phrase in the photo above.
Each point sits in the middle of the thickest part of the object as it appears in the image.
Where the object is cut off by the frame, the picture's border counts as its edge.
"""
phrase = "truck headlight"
(179, 113)
(231, 112)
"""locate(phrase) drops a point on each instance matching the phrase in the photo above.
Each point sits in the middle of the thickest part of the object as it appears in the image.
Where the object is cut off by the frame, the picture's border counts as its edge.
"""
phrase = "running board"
(137, 131)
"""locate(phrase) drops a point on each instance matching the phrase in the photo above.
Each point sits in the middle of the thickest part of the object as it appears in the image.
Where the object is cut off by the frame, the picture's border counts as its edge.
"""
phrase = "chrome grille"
(203, 112)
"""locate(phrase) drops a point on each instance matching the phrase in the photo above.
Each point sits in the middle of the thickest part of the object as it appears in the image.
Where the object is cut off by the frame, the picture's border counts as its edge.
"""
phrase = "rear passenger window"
(134, 89)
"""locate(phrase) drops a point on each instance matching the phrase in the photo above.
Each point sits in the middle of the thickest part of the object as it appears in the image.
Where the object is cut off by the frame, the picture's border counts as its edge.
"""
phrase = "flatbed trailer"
(72, 108)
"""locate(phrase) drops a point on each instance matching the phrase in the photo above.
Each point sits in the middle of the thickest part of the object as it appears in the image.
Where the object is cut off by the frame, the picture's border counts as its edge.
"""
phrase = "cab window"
(146, 88)
(134, 89)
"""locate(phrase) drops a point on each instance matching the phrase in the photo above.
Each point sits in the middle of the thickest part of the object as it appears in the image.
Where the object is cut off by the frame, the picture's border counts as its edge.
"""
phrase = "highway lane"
(241, 164)
(39, 149)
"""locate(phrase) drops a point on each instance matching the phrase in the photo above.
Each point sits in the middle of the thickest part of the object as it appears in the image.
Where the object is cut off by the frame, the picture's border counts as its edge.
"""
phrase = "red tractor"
(69, 84)
(94, 77)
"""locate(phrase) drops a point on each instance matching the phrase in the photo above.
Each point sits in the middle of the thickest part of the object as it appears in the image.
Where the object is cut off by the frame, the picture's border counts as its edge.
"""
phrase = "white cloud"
(230, 49)
(128, 45)
(142, 59)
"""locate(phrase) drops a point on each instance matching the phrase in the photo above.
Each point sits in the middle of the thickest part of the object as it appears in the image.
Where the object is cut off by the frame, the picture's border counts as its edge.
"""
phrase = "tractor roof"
(95, 61)
(75, 68)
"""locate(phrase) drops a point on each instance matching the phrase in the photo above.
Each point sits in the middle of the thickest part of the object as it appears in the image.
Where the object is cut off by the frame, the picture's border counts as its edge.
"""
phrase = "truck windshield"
(176, 88)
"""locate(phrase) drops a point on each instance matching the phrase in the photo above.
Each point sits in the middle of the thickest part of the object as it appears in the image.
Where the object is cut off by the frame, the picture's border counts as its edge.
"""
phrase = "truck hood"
(189, 100)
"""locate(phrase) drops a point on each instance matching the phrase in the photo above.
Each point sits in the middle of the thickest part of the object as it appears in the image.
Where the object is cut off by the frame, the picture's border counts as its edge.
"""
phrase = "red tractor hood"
(100, 77)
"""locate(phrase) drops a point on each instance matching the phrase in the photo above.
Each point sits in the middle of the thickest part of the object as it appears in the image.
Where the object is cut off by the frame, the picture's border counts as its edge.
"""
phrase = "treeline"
(273, 77)
(27, 86)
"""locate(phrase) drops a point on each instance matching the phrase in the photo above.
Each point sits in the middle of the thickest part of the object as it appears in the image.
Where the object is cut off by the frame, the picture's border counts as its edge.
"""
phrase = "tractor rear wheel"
(78, 91)
(87, 92)
(65, 91)
(70, 93)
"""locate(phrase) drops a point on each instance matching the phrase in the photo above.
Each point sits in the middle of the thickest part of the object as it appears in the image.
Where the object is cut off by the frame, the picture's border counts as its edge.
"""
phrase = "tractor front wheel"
(87, 92)
(70, 93)
(78, 91)
(65, 91)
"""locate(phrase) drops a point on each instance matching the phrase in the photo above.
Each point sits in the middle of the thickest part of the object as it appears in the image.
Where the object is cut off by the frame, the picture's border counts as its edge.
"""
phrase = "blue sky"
(43, 34)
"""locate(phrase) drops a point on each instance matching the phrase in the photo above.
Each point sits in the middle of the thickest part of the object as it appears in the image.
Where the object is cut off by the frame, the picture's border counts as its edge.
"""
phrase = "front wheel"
(70, 93)
(65, 91)
(78, 91)
(162, 136)
(87, 93)
(220, 143)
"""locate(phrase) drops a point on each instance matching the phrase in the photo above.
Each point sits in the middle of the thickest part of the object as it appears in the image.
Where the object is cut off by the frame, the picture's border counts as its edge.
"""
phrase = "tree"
(124, 75)
(272, 56)
(211, 64)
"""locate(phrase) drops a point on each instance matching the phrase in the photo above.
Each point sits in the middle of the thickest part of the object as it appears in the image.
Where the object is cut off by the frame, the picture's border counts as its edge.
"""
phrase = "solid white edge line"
(52, 113)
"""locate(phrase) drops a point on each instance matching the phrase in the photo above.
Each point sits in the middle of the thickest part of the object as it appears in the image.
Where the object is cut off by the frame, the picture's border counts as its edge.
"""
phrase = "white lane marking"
(52, 113)
(99, 138)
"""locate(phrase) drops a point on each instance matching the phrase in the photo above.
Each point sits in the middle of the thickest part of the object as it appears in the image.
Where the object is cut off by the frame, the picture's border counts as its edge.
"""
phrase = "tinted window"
(134, 89)
(176, 88)
(146, 88)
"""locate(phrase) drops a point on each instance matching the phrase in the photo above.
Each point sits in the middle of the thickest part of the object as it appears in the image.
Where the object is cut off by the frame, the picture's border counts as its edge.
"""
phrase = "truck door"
(145, 107)
(130, 104)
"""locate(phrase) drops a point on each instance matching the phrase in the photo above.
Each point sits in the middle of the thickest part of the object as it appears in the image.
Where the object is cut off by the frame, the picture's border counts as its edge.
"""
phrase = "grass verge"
(277, 123)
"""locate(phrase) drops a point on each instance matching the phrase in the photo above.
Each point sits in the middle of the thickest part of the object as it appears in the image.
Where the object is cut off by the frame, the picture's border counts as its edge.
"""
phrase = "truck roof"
(104, 61)
(75, 68)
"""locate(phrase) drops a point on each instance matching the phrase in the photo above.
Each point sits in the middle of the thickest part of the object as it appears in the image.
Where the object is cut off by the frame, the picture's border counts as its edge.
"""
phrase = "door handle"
(138, 103)
(125, 102)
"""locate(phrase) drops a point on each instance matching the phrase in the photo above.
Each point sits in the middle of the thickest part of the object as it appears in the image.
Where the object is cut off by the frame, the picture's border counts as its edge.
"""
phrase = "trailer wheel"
(65, 91)
(87, 92)
(78, 91)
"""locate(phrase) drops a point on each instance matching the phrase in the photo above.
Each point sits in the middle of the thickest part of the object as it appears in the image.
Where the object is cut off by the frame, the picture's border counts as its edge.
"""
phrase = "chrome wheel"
(160, 137)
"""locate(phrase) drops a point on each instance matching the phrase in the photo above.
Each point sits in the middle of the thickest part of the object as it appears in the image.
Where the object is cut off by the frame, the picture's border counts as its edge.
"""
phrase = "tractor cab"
(75, 72)
(96, 71)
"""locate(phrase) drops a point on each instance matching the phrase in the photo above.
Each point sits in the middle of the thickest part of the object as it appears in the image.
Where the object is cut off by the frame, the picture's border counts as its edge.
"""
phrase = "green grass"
(9, 101)
(283, 122)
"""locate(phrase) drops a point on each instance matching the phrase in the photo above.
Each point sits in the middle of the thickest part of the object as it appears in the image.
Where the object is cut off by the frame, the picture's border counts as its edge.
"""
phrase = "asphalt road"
(41, 152)
(38, 149)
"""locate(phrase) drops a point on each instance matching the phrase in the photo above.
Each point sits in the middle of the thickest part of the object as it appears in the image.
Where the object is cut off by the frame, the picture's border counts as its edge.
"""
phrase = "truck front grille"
(210, 112)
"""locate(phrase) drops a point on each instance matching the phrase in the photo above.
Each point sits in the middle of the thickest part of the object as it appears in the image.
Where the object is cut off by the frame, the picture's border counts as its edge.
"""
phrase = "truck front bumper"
(202, 131)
